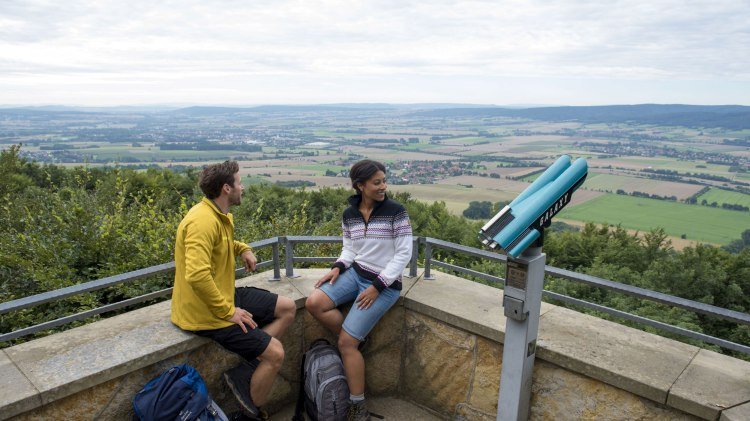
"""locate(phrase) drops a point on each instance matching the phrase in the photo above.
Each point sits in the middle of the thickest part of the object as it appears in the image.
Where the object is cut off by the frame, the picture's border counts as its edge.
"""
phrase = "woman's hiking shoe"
(238, 380)
(358, 411)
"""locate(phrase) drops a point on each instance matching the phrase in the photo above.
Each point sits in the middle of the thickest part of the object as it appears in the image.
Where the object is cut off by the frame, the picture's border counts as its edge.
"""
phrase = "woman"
(377, 248)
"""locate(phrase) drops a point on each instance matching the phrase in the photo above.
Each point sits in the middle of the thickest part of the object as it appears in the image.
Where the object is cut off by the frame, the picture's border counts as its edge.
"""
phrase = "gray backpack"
(323, 391)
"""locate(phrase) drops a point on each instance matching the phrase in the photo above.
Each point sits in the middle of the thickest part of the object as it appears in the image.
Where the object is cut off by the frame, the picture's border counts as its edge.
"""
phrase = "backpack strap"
(298, 410)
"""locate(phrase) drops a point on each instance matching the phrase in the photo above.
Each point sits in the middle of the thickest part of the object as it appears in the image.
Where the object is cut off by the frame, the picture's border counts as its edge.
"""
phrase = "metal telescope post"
(519, 230)
(522, 301)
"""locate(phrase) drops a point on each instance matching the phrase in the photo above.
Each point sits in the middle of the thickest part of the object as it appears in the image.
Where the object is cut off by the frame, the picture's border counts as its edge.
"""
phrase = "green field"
(470, 140)
(672, 164)
(711, 225)
(320, 168)
(418, 146)
(153, 153)
(722, 196)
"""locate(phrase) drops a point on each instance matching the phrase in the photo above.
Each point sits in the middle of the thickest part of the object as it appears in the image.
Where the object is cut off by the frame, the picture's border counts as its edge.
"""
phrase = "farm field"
(486, 183)
(456, 198)
(722, 196)
(638, 163)
(388, 155)
(711, 225)
(612, 183)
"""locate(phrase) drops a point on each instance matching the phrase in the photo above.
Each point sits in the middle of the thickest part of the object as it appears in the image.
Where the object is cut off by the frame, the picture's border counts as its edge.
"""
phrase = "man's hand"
(248, 258)
(367, 297)
(330, 277)
(243, 317)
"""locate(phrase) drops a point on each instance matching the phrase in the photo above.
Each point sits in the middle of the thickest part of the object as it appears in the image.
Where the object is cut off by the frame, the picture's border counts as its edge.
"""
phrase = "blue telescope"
(520, 223)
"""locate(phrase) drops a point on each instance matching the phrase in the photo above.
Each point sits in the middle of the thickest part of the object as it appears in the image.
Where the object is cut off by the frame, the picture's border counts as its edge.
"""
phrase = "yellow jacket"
(203, 294)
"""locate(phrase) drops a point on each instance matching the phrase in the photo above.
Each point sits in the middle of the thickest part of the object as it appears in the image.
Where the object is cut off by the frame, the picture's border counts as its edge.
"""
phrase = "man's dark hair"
(362, 171)
(214, 176)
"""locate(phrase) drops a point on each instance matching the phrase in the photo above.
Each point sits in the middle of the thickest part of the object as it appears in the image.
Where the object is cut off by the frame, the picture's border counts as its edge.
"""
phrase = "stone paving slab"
(738, 413)
(391, 408)
(639, 362)
(24, 396)
(711, 383)
(467, 305)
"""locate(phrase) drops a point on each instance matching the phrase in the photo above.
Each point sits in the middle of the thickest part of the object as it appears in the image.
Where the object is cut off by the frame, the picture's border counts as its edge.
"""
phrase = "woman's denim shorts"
(346, 288)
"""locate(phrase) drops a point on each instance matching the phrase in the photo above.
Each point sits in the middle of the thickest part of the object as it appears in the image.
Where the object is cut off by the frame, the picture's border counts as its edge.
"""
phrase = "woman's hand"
(330, 277)
(367, 297)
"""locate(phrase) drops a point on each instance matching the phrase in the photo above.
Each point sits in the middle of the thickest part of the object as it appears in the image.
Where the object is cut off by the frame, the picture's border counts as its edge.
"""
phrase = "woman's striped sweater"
(380, 248)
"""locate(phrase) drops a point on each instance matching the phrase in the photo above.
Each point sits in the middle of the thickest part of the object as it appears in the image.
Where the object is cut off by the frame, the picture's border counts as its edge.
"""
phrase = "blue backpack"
(177, 394)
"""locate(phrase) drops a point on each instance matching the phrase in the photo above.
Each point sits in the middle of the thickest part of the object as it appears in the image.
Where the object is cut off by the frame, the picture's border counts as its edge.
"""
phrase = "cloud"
(148, 42)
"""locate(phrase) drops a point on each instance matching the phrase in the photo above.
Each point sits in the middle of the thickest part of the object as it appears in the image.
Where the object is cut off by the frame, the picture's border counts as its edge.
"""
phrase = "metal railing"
(429, 245)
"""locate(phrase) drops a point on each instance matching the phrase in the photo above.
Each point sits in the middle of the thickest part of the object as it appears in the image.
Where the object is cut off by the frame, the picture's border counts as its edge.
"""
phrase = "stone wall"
(439, 347)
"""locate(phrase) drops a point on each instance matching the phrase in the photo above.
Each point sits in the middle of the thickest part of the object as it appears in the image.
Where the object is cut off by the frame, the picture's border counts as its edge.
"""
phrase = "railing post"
(276, 264)
(289, 258)
(414, 257)
(427, 259)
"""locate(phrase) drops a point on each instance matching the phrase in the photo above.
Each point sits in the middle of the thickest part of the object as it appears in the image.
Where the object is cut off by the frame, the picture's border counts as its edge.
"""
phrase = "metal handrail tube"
(83, 315)
(314, 238)
(466, 249)
(58, 294)
(288, 242)
(731, 315)
(468, 271)
(649, 322)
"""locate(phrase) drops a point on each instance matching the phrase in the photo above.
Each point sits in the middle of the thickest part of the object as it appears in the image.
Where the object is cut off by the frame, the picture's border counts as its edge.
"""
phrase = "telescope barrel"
(520, 223)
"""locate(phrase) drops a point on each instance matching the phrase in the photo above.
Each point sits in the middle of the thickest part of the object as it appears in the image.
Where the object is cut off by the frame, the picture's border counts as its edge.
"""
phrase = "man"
(247, 321)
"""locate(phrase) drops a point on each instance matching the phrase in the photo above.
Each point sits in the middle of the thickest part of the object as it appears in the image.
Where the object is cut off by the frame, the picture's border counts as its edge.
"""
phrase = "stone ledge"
(47, 369)
(56, 366)
(24, 397)
(641, 363)
(711, 383)
(630, 359)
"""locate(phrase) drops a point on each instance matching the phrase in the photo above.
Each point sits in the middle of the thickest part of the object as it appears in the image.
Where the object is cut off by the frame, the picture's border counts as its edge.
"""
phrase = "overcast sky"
(571, 52)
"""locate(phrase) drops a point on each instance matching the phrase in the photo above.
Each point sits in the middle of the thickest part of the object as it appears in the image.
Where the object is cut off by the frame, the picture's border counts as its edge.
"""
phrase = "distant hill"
(343, 107)
(734, 117)
(268, 109)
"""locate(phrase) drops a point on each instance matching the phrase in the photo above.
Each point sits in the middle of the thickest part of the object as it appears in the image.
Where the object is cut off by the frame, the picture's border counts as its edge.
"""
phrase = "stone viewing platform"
(436, 355)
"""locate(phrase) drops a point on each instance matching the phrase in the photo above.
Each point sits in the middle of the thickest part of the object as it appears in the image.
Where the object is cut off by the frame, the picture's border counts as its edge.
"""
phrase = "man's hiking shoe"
(358, 412)
(238, 380)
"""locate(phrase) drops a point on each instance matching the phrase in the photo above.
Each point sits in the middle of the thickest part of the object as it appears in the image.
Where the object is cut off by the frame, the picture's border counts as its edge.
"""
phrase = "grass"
(723, 196)
(711, 225)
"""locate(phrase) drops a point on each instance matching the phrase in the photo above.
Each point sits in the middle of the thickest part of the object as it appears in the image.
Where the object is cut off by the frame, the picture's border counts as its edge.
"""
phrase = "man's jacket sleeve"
(240, 248)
